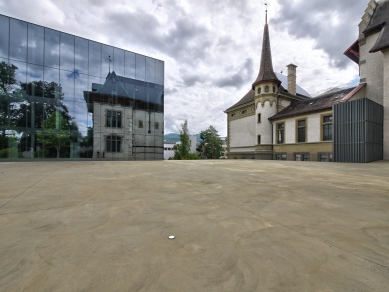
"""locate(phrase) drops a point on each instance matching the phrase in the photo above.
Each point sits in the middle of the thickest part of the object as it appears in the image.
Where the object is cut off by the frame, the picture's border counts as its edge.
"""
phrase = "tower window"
(259, 90)
(232, 115)
(258, 118)
(244, 112)
(274, 89)
(259, 139)
(266, 88)
(140, 124)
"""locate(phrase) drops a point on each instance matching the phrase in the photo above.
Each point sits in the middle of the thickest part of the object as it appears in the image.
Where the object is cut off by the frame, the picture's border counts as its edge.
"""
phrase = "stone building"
(276, 119)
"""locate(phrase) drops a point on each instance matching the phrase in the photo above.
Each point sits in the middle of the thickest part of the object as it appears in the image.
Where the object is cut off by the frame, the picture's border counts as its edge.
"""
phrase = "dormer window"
(232, 115)
(244, 112)
(266, 88)
(259, 90)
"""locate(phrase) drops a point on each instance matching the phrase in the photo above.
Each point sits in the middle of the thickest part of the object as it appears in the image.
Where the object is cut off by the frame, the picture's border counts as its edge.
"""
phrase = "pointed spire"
(266, 73)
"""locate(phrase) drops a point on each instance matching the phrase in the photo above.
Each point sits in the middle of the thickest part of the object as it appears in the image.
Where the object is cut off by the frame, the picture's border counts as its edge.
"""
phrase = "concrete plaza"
(239, 225)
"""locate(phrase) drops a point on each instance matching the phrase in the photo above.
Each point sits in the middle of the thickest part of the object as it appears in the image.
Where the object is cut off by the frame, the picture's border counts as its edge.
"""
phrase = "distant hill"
(176, 137)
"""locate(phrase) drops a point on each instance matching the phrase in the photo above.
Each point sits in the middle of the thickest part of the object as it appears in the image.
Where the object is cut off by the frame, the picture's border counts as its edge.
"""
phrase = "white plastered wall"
(313, 127)
(264, 128)
(242, 132)
(372, 70)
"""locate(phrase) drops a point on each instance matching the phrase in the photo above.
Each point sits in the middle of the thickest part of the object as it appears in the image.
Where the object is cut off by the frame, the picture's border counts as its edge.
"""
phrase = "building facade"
(276, 121)
(63, 96)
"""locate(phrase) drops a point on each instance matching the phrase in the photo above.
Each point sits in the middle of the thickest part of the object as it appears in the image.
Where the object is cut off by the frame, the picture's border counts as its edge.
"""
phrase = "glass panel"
(81, 85)
(106, 65)
(67, 83)
(118, 62)
(301, 135)
(301, 123)
(129, 65)
(280, 126)
(35, 44)
(81, 56)
(67, 52)
(94, 58)
(150, 70)
(140, 93)
(18, 40)
(159, 72)
(328, 119)
(140, 67)
(51, 48)
(4, 36)
(35, 84)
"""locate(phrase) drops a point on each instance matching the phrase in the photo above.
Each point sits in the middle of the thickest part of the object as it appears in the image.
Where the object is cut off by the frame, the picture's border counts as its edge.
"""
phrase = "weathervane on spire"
(266, 12)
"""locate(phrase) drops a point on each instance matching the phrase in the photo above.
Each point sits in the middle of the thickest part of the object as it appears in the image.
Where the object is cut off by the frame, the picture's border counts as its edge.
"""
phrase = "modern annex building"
(278, 120)
(63, 96)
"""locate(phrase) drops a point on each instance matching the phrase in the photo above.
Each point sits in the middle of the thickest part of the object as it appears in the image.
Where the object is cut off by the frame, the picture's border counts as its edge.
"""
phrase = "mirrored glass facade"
(65, 97)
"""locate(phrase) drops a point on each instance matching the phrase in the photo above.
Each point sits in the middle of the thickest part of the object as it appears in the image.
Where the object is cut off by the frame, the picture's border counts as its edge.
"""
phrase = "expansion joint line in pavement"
(295, 230)
(33, 185)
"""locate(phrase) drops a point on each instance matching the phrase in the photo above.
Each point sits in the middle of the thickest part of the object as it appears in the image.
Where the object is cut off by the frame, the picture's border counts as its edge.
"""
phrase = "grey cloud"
(239, 78)
(313, 20)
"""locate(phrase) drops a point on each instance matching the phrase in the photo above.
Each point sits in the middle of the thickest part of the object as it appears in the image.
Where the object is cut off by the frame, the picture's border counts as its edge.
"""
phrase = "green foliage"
(211, 145)
(182, 150)
(55, 133)
(10, 153)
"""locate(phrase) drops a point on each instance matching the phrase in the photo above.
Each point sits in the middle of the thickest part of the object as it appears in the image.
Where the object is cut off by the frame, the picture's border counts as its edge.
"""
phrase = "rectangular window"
(259, 139)
(283, 156)
(298, 157)
(140, 124)
(259, 118)
(278, 156)
(327, 128)
(305, 157)
(156, 125)
(113, 119)
(323, 157)
(301, 131)
(280, 133)
(113, 144)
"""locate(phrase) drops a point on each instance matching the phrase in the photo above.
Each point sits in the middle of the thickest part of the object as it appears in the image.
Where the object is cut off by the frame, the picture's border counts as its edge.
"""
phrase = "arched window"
(113, 144)
(266, 88)
(259, 90)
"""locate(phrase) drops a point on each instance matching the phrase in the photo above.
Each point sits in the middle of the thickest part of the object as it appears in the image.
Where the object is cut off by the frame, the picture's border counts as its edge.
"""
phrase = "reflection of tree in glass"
(24, 107)
(55, 133)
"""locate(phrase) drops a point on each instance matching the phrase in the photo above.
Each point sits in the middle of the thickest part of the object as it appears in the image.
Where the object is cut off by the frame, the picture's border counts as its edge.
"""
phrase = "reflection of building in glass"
(127, 117)
(56, 100)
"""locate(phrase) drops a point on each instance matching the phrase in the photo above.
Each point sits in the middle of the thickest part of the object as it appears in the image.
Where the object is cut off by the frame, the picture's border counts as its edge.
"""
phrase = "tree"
(182, 150)
(55, 133)
(210, 146)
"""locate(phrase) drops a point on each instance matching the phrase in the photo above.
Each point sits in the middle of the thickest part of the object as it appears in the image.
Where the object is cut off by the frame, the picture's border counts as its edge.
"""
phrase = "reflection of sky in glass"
(66, 80)
(81, 55)
(51, 75)
(67, 52)
(51, 48)
(118, 62)
(35, 44)
(18, 40)
(106, 52)
(150, 70)
(140, 67)
(129, 65)
(4, 36)
(94, 58)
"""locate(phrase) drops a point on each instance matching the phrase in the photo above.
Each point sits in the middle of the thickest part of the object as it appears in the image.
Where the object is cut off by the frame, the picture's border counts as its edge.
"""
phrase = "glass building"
(66, 97)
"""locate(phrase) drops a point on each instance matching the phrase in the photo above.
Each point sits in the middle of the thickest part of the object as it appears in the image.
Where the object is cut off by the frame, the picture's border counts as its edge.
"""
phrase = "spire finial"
(266, 13)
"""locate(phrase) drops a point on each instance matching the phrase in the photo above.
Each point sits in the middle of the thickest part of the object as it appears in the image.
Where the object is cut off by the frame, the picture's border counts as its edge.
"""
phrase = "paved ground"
(240, 225)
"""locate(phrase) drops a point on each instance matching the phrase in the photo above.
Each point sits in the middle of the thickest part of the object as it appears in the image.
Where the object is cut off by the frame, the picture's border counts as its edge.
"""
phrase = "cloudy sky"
(211, 48)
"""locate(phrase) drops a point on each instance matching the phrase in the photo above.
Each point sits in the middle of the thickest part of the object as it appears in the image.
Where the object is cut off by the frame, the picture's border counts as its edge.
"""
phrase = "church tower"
(266, 88)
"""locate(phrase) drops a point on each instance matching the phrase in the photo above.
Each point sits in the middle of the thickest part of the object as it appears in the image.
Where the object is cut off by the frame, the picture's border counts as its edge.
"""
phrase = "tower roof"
(266, 72)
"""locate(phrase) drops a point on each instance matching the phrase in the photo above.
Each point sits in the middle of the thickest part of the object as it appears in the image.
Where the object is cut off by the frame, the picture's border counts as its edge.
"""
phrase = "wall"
(242, 132)
(386, 105)
(371, 69)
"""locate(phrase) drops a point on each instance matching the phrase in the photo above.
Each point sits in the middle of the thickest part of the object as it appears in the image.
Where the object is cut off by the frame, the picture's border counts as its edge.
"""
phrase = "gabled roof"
(322, 102)
(380, 21)
(353, 52)
(266, 72)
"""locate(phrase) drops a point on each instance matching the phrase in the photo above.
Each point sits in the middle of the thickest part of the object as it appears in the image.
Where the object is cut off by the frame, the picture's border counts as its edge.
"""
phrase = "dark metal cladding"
(358, 131)
(266, 72)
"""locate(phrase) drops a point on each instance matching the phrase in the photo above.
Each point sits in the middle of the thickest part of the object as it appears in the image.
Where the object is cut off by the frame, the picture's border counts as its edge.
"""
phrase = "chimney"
(292, 78)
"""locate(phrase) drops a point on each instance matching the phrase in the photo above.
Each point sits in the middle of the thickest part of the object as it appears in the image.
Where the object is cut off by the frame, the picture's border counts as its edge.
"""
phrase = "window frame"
(326, 124)
(301, 127)
(118, 139)
(108, 124)
(283, 133)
